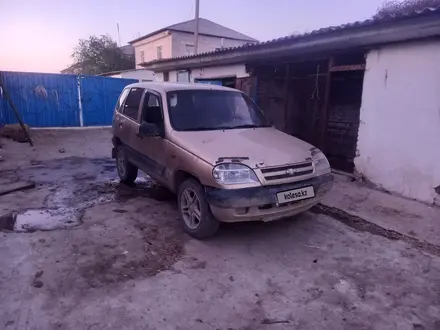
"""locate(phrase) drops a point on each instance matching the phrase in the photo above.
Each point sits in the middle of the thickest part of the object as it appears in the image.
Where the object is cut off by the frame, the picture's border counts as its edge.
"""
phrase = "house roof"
(111, 73)
(206, 27)
(374, 31)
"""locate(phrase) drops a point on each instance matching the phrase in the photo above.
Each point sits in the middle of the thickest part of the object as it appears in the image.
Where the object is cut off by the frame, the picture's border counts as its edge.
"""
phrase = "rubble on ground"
(14, 132)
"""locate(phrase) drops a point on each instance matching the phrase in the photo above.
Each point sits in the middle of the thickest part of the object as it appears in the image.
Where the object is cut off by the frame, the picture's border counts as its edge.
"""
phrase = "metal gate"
(53, 100)
(44, 100)
(98, 98)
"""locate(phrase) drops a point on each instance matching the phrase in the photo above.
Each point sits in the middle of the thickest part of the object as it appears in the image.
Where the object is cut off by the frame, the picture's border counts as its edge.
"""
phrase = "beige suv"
(216, 150)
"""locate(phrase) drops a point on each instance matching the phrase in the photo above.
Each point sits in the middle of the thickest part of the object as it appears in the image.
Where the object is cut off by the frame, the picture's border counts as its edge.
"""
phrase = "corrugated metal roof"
(206, 27)
(319, 32)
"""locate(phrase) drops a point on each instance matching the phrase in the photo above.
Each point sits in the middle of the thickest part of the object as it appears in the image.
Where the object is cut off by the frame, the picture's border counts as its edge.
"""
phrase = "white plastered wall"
(234, 70)
(399, 132)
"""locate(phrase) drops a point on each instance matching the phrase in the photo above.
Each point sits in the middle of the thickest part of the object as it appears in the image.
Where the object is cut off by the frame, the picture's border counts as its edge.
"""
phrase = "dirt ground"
(82, 251)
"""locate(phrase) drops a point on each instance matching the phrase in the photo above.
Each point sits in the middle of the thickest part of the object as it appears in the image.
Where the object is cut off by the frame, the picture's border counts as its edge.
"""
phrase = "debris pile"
(14, 132)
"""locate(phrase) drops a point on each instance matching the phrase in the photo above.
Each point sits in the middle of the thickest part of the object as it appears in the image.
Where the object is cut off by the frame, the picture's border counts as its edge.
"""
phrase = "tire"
(127, 172)
(206, 225)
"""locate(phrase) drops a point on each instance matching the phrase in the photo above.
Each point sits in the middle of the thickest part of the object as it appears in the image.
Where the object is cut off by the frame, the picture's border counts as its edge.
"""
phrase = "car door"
(127, 121)
(152, 149)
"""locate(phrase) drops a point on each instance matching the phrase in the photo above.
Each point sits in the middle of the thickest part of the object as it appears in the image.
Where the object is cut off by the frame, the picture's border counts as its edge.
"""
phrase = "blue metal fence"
(52, 100)
(99, 96)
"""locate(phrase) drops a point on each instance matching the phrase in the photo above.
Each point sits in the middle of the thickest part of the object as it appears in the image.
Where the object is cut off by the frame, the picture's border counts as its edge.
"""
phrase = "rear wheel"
(195, 213)
(127, 172)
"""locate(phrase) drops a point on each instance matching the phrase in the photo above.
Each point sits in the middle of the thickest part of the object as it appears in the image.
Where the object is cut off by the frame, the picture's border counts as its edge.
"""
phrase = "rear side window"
(121, 99)
(131, 106)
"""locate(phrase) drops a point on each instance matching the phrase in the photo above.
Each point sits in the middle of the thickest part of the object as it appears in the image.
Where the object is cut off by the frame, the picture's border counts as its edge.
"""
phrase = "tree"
(97, 55)
(393, 7)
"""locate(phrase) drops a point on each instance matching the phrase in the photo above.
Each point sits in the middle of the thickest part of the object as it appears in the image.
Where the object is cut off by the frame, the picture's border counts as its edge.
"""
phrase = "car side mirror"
(148, 129)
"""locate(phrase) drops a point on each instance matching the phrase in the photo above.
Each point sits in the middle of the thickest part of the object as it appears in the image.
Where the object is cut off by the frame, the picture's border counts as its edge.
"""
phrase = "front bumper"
(260, 203)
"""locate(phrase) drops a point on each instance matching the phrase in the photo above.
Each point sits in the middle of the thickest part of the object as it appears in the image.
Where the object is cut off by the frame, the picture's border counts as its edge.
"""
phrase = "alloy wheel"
(190, 208)
(121, 164)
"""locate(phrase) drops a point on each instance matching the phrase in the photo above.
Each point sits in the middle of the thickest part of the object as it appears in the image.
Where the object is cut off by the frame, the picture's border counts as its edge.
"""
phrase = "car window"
(152, 110)
(131, 106)
(193, 110)
(121, 99)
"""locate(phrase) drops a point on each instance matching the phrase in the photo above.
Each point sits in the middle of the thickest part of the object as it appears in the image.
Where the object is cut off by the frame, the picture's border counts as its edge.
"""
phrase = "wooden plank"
(342, 68)
(16, 186)
(15, 110)
(286, 98)
(323, 127)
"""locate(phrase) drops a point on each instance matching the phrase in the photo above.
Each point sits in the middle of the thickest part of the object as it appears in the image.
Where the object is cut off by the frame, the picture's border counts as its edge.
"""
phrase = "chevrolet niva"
(217, 151)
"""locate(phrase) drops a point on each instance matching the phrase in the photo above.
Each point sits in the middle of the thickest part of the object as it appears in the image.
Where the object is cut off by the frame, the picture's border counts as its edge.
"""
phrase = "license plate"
(295, 195)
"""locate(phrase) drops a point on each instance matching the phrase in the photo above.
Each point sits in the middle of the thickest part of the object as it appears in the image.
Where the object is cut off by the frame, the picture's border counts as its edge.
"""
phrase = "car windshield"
(197, 110)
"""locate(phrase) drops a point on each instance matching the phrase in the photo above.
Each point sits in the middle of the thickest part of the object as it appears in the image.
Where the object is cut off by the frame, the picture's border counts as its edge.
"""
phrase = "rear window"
(121, 99)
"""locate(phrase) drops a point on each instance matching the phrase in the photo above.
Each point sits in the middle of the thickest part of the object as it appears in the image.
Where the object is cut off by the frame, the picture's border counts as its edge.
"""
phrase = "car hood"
(264, 146)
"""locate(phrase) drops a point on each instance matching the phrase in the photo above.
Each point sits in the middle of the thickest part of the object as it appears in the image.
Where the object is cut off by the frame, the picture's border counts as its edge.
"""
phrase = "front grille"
(287, 171)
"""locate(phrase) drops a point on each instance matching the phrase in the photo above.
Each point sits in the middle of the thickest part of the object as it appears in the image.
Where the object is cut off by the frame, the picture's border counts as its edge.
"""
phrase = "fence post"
(81, 119)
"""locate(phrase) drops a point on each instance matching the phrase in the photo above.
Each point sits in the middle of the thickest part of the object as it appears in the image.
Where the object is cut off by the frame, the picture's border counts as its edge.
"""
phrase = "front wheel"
(195, 213)
(127, 172)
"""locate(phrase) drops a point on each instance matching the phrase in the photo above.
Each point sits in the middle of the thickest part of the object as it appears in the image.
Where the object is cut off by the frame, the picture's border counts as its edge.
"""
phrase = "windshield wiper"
(213, 128)
(249, 126)
(206, 128)
(201, 128)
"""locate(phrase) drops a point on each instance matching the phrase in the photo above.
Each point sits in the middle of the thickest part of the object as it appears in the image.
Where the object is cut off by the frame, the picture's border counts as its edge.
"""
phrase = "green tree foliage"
(97, 55)
(393, 7)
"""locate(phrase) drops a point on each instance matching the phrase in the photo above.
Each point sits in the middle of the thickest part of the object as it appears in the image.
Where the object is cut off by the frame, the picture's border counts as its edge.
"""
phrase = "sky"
(40, 35)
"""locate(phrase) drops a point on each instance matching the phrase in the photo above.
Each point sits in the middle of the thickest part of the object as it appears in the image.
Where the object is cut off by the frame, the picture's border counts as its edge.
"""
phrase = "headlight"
(322, 166)
(233, 174)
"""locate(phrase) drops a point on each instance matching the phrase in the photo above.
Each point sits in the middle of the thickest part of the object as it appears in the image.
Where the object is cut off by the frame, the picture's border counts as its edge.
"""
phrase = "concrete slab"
(392, 212)
(16, 186)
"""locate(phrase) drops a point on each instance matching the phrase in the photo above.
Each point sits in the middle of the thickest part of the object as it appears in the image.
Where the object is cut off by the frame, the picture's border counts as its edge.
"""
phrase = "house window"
(159, 52)
(183, 76)
(189, 50)
(166, 76)
(142, 56)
